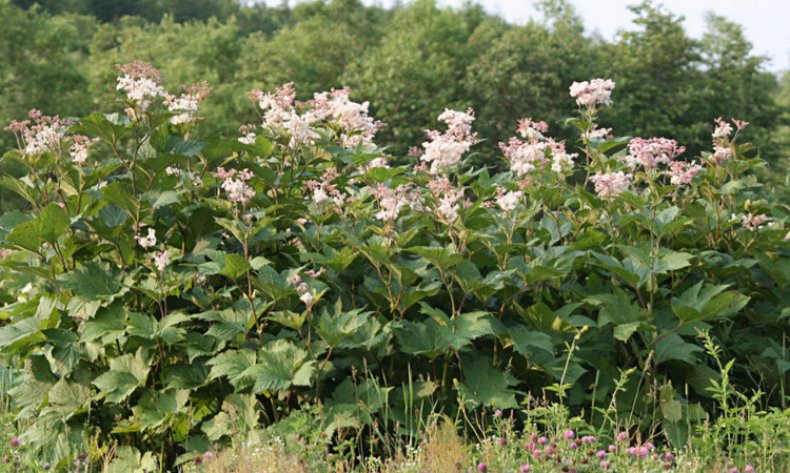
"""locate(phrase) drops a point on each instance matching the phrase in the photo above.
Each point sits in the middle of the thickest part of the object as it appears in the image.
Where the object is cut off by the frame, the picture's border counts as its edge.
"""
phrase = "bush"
(166, 292)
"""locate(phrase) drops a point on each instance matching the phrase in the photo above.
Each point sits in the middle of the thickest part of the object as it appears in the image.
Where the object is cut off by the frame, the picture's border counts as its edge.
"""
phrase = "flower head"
(592, 93)
(649, 153)
(444, 150)
(611, 184)
(161, 260)
(681, 172)
(147, 241)
(185, 106)
(141, 82)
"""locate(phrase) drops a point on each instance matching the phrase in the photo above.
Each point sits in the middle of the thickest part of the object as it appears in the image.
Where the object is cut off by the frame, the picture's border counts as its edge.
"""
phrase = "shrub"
(166, 292)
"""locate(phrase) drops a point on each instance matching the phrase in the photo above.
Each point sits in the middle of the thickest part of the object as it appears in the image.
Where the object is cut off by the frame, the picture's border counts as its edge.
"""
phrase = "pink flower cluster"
(507, 201)
(592, 93)
(722, 143)
(611, 184)
(681, 172)
(235, 185)
(325, 190)
(446, 197)
(141, 82)
(527, 156)
(41, 133)
(444, 150)
(282, 112)
(391, 201)
(649, 153)
(185, 106)
(352, 117)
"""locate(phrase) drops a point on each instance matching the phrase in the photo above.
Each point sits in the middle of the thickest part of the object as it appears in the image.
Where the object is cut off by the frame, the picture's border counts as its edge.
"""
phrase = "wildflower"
(612, 448)
(141, 82)
(444, 150)
(592, 93)
(721, 153)
(208, 455)
(531, 130)
(234, 183)
(722, 130)
(681, 172)
(147, 241)
(525, 468)
(325, 190)
(652, 152)
(543, 440)
(524, 157)
(748, 468)
(588, 439)
(508, 201)
(740, 125)
(307, 297)
(596, 133)
(352, 117)
(612, 184)
(752, 222)
(391, 201)
(79, 149)
(669, 457)
(560, 159)
(185, 106)
(572, 445)
(498, 413)
(482, 467)
(601, 454)
(733, 469)
(502, 441)
(622, 436)
(161, 260)
(40, 134)
(14, 442)
(605, 464)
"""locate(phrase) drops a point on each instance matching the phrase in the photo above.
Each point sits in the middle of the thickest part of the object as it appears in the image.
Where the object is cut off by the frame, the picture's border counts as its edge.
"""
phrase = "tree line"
(409, 61)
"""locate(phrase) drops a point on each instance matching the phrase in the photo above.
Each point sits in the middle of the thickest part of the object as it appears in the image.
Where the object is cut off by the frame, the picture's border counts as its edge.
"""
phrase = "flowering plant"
(164, 292)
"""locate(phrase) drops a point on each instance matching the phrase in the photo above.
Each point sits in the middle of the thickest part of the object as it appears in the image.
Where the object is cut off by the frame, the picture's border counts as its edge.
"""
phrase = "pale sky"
(766, 23)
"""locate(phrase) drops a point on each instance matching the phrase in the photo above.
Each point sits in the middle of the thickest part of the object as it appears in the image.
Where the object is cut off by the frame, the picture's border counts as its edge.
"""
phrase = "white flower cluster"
(176, 171)
(592, 93)
(185, 106)
(444, 150)
(527, 156)
(507, 201)
(352, 117)
(335, 107)
(611, 184)
(326, 190)
(234, 183)
(446, 197)
(391, 201)
(141, 82)
(147, 241)
(722, 143)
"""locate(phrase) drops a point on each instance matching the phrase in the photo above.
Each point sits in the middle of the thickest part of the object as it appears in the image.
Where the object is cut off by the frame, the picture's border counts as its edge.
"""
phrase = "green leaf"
(126, 373)
(623, 332)
(235, 266)
(157, 407)
(673, 347)
(485, 385)
(280, 366)
(232, 364)
(711, 302)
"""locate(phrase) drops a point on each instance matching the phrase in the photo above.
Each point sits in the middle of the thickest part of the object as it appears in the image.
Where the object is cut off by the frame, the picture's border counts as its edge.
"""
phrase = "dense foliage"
(165, 291)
